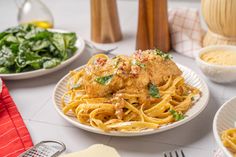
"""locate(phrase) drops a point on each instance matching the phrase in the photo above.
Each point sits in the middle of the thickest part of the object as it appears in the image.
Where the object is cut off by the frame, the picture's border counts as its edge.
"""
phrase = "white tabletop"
(34, 96)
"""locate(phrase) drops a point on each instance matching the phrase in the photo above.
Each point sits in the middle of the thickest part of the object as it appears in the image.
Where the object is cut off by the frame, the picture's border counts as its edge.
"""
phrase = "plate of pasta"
(133, 95)
(224, 127)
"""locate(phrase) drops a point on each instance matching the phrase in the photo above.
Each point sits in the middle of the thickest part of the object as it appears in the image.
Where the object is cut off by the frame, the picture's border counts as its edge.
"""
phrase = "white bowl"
(35, 73)
(190, 77)
(225, 118)
(217, 73)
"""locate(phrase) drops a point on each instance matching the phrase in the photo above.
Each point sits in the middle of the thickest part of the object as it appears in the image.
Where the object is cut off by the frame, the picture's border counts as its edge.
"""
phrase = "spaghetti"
(144, 91)
(229, 139)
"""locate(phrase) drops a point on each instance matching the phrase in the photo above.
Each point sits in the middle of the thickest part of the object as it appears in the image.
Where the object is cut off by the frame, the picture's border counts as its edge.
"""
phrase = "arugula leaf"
(58, 42)
(35, 33)
(177, 116)
(4, 70)
(11, 39)
(153, 90)
(6, 57)
(28, 60)
(8, 40)
(51, 63)
(136, 62)
(39, 45)
(104, 80)
(2, 35)
(70, 39)
(162, 54)
(40, 35)
(36, 64)
(14, 48)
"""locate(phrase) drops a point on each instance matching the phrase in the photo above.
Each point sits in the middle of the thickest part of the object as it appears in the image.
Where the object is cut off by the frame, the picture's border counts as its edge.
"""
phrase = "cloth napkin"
(14, 136)
(186, 31)
(0, 85)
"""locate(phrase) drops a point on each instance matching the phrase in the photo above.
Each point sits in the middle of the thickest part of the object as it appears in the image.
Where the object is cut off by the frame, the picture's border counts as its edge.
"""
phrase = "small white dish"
(224, 119)
(30, 74)
(217, 73)
(190, 77)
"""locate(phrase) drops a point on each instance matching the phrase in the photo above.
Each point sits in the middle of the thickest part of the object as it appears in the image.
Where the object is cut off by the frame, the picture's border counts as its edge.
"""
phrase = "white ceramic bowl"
(35, 73)
(190, 77)
(225, 118)
(217, 73)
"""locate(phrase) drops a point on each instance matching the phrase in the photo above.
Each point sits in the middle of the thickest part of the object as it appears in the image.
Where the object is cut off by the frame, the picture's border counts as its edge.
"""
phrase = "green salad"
(27, 47)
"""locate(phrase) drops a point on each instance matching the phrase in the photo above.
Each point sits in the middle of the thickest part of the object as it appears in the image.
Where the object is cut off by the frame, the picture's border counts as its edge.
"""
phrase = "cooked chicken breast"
(158, 66)
(107, 76)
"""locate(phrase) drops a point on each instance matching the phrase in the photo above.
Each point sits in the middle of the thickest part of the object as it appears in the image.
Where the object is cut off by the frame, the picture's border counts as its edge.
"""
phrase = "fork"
(177, 154)
(98, 50)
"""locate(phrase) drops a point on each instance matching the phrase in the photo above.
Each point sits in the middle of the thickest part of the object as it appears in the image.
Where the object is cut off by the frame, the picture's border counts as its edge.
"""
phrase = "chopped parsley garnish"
(177, 116)
(104, 80)
(162, 54)
(136, 62)
(153, 90)
(192, 98)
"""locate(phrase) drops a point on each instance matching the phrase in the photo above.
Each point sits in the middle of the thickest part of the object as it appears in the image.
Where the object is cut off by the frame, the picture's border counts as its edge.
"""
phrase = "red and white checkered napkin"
(14, 136)
(186, 31)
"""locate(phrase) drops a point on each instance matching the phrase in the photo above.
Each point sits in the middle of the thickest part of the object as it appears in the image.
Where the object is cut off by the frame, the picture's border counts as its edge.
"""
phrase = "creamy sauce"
(220, 57)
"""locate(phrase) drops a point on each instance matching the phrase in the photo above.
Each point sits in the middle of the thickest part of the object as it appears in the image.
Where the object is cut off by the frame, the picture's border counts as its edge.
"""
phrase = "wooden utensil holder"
(153, 29)
(105, 25)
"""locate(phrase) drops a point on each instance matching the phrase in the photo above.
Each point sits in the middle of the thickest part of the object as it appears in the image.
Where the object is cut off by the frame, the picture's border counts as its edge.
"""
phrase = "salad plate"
(39, 72)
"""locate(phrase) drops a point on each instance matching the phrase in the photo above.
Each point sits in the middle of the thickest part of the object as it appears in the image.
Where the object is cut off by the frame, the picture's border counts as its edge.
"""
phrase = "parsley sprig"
(104, 80)
(177, 116)
(163, 54)
(153, 90)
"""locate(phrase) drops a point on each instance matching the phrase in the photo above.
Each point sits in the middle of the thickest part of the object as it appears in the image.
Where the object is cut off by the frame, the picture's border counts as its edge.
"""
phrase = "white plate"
(30, 74)
(191, 77)
(225, 118)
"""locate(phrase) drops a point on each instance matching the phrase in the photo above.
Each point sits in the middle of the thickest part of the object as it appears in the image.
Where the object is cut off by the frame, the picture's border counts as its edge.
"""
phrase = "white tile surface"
(49, 115)
(74, 138)
(136, 148)
(26, 97)
(33, 96)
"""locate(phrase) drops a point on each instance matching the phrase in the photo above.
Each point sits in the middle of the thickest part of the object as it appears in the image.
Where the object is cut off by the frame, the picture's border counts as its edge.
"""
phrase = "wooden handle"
(105, 25)
(153, 29)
